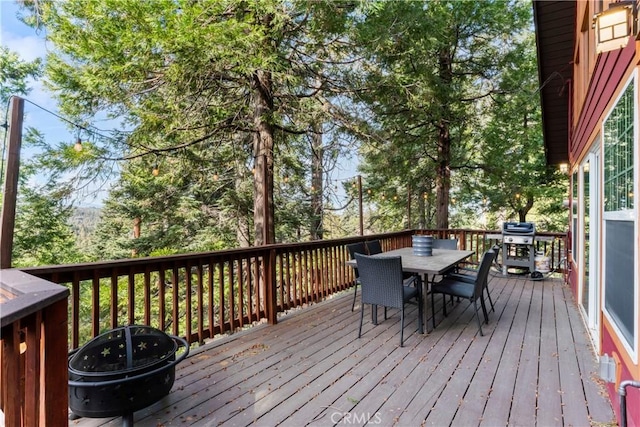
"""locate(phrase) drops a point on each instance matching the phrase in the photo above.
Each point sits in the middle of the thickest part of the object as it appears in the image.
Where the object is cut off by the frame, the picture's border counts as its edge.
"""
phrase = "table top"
(438, 263)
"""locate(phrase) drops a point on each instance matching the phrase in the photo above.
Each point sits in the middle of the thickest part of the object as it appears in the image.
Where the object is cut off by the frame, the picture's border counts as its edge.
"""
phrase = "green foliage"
(512, 178)
(42, 232)
(428, 91)
(195, 82)
(15, 74)
(450, 88)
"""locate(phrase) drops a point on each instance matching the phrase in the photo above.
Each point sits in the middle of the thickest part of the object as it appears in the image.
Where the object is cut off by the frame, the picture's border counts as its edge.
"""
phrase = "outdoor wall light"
(614, 26)
(563, 167)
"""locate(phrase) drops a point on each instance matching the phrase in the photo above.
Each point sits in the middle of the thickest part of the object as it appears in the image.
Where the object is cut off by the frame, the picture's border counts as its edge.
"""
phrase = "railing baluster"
(75, 311)
(187, 301)
(147, 296)
(232, 298)
(175, 303)
(200, 309)
(33, 326)
(258, 266)
(95, 305)
(241, 284)
(162, 299)
(211, 299)
(114, 299)
(131, 290)
(221, 302)
(11, 390)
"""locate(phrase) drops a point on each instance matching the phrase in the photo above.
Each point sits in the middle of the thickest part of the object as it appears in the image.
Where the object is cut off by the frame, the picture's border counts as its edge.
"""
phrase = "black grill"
(518, 245)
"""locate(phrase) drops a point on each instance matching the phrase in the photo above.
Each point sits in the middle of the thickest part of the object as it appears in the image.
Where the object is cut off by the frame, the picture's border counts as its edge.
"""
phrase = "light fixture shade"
(613, 27)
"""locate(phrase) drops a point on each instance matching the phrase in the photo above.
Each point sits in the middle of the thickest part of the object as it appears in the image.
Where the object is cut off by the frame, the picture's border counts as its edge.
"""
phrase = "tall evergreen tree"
(433, 66)
(223, 80)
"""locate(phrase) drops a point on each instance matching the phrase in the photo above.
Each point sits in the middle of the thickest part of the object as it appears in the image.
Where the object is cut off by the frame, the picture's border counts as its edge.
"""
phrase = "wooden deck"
(533, 366)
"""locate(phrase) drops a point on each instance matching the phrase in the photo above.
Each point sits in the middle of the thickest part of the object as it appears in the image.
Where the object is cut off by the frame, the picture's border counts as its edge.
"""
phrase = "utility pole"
(10, 194)
(360, 205)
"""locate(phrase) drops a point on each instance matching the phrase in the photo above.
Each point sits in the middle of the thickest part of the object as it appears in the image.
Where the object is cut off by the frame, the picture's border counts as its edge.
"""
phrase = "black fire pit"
(122, 371)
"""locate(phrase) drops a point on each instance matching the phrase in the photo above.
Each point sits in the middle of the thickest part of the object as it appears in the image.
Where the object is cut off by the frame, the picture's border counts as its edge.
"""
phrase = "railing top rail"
(24, 294)
(139, 264)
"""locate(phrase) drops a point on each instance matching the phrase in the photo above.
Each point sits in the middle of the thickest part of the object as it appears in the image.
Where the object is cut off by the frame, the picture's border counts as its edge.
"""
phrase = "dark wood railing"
(33, 350)
(200, 296)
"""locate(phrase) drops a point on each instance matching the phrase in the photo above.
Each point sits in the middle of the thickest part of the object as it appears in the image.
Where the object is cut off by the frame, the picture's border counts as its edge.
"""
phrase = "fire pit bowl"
(122, 371)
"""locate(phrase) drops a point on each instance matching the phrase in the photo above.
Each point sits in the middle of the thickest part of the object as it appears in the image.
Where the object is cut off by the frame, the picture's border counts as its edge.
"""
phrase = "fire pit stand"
(122, 371)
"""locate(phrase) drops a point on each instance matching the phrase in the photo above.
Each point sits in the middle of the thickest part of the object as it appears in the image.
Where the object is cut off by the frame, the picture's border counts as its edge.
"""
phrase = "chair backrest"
(483, 272)
(445, 244)
(381, 280)
(374, 247)
(356, 248)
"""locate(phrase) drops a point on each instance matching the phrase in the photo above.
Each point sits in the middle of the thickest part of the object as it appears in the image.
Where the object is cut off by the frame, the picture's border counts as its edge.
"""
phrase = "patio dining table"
(438, 263)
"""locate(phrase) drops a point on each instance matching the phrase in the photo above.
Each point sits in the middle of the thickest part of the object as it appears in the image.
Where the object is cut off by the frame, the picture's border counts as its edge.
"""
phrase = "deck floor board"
(533, 366)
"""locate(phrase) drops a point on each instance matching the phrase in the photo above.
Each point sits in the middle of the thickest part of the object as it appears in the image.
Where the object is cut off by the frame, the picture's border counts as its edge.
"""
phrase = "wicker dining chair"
(451, 244)
(468, 289)
(356, 248)
(468, 275)
(382, 284)
(374, 247)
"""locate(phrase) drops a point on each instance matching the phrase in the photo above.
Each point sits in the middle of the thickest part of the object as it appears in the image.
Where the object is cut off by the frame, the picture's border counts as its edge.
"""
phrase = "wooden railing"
(33, 350)
(200, 296)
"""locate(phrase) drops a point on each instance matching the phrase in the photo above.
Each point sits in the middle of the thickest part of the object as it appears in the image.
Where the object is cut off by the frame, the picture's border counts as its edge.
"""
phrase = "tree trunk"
(422, 210)
(522, 212)
(443, 176)
(243, 226)
(317, 153)
(263, 158)
(137, 227)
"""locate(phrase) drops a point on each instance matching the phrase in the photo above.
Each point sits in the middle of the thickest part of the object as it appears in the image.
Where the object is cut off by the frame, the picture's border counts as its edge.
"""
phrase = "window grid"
(618, 155)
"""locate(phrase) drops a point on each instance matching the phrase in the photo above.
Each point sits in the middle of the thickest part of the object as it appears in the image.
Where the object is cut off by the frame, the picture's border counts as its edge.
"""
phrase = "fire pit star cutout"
(142, 345)
(106, 352)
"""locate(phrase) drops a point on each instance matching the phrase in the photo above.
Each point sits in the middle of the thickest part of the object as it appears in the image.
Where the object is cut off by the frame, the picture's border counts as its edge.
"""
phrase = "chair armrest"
(461, 277)
(410, 280)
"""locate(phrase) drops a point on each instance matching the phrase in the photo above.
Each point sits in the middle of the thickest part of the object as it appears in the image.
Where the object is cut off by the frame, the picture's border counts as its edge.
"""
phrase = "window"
(619, 227)
(618, 155)
(574, 216)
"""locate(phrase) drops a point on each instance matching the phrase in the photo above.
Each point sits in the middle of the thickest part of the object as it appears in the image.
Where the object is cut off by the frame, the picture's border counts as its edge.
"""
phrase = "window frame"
(622, 215)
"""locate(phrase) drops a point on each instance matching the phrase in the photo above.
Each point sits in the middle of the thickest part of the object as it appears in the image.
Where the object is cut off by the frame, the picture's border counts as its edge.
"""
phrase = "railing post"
(56, 375)
(11, 390)
(10, 193)
(269, 282)
(33, 318)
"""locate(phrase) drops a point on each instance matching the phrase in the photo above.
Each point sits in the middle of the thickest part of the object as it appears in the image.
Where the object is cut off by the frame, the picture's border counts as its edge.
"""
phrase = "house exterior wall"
(598, 81)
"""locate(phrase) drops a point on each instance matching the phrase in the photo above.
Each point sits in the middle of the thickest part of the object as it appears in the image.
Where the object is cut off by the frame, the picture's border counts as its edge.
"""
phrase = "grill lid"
(518, 228)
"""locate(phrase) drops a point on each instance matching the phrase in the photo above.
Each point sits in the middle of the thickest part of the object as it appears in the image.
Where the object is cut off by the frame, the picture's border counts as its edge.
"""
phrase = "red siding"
(633, 394)
(608, 73)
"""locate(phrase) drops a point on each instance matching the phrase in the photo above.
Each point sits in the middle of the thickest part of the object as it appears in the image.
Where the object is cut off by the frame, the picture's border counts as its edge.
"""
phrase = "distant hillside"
(84, 221)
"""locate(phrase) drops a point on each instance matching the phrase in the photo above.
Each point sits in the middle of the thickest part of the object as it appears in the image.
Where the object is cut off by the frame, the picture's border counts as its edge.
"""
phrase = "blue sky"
(24, 41)
(29, 45)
